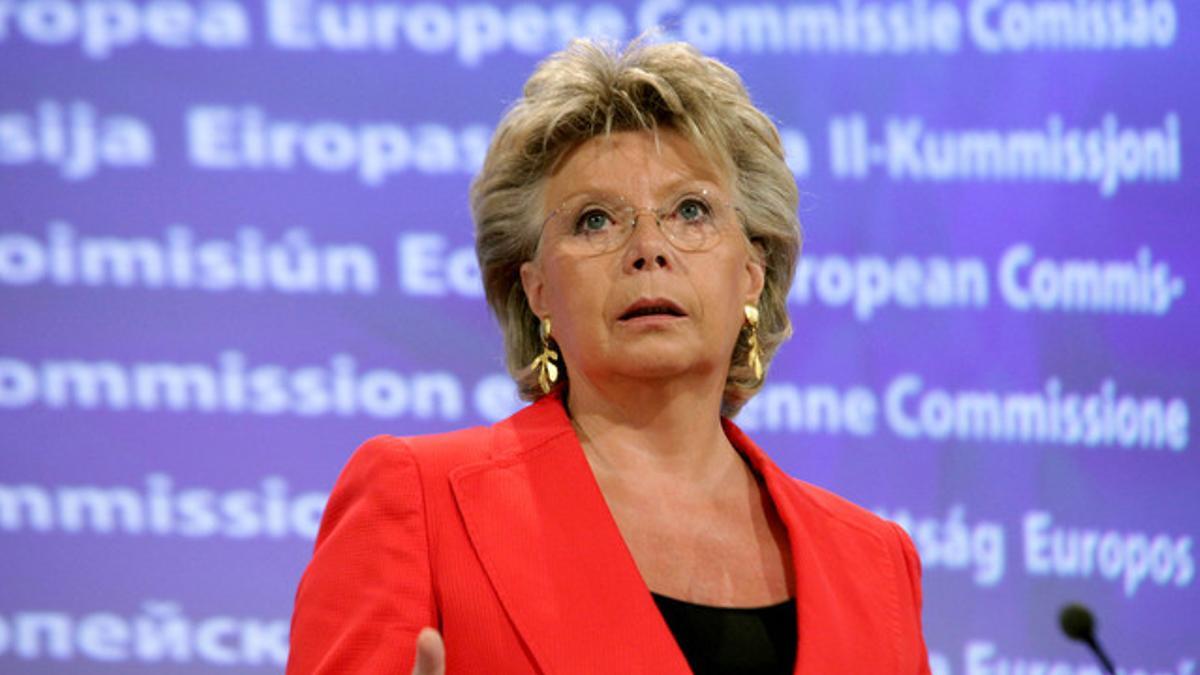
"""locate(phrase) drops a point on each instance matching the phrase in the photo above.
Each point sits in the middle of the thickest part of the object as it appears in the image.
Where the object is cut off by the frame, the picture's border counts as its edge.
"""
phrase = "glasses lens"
(587, 225)
(694, 222)
(591, 225)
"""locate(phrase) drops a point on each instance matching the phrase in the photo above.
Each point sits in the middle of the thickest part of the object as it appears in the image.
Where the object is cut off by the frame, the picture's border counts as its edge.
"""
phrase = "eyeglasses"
(589, 224)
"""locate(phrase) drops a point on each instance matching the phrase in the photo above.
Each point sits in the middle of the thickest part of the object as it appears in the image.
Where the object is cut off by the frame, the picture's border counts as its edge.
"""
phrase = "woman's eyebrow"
(682, 184)
(672, 188)
(591, 193)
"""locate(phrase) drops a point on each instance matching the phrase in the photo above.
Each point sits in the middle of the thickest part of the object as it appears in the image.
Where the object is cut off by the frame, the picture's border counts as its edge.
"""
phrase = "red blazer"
(499, 536)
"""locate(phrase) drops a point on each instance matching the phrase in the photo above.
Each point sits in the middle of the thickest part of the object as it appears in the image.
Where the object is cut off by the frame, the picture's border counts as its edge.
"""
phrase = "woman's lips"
(652, 309)
(651, 320)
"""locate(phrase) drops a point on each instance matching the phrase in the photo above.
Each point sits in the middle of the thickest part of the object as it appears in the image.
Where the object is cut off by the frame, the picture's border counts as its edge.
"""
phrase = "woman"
(637, 235)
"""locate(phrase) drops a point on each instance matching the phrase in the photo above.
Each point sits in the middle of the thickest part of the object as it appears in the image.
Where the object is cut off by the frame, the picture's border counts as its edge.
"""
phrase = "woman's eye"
(593, 221)
(691, 210)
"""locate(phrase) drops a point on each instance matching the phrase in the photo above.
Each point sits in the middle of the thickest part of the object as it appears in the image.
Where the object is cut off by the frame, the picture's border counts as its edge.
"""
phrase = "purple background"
(63, 578)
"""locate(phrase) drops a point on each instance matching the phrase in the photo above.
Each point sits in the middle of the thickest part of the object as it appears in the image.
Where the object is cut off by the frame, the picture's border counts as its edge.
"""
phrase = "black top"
(720, 640)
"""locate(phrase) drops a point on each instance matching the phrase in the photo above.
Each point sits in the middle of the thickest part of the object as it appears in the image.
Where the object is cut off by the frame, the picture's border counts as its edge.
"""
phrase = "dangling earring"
(543, 364)
(754, 353)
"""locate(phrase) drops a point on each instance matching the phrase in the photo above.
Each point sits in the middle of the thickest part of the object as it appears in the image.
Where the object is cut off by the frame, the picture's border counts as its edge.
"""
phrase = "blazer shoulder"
(511, 439)
(437, 453)
(814, 505)
(839, 508)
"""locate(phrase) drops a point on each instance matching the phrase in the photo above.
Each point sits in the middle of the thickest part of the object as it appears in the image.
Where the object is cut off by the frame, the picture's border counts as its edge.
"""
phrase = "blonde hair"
(591, 89)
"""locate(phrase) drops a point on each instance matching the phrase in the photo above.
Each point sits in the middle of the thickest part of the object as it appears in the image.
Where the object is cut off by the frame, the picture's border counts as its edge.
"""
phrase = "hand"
(431, 653)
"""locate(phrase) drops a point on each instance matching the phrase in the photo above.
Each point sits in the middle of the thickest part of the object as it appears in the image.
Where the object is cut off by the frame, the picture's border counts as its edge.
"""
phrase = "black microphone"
(1079, 624)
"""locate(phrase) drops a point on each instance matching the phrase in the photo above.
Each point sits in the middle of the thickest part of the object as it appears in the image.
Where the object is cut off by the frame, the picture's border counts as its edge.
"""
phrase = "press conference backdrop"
(234, 243)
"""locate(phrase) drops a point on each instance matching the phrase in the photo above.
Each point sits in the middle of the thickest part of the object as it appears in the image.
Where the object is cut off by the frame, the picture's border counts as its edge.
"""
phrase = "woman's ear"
(756, 274)
(533, 282)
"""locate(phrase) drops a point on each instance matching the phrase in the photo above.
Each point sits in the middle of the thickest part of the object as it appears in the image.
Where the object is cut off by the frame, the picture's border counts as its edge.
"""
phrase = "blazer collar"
(550, 547)
(552, 550)
(847, 601)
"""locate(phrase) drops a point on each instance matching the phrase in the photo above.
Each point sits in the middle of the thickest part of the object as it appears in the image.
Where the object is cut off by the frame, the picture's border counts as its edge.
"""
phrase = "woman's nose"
(648, 247)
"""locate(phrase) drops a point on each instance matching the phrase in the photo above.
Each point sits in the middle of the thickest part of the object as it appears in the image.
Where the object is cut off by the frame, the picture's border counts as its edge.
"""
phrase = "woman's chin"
(662, 362)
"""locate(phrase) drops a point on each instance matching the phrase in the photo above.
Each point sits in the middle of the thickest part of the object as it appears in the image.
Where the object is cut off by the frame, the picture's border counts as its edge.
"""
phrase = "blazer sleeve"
(367, 591)
(912, 566)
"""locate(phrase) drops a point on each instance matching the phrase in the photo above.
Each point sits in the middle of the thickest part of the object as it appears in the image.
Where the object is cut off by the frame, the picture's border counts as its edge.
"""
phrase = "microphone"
(1079, 624)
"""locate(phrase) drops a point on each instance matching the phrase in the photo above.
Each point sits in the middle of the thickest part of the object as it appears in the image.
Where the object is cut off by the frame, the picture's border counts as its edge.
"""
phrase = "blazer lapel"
(846, 603)
(550, 547)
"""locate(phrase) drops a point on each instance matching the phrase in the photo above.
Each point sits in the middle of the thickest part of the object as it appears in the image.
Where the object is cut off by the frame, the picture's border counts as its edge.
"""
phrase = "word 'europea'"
(471, 32)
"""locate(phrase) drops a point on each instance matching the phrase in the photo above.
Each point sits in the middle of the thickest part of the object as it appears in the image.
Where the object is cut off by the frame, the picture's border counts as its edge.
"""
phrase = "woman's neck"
(669, 428)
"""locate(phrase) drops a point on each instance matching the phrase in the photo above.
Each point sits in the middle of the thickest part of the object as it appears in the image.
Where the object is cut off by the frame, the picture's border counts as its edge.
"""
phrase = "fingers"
(431, 653)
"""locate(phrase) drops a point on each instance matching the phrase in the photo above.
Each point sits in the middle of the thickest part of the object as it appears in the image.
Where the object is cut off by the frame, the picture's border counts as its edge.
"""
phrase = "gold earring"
(754, 352)
(543, 364)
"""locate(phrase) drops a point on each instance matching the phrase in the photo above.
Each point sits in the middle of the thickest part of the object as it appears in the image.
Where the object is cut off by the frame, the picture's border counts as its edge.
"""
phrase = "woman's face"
(649, 308)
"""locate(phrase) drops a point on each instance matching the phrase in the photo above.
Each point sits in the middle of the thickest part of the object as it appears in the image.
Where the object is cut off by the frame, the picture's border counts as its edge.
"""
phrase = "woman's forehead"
(639, 164)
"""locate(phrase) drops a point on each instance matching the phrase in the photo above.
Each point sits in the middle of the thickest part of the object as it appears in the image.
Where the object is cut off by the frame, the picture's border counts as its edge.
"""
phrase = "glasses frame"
(710, 196)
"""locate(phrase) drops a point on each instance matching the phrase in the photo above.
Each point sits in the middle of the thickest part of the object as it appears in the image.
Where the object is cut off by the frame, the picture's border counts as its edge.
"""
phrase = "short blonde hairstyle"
(591, 89)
